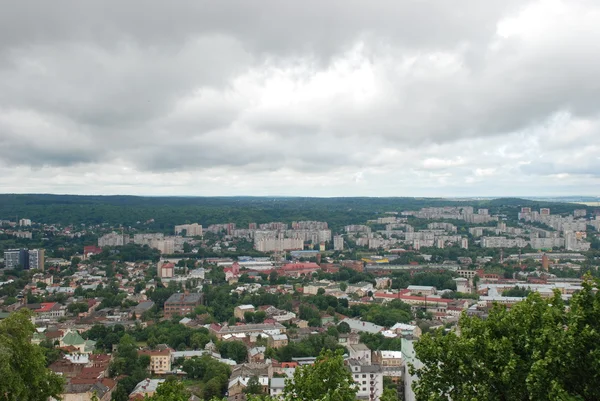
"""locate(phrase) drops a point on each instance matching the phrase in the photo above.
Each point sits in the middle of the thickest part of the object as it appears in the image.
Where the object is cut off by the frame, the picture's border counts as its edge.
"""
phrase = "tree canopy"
(328, 379)
(23, 371)
(536, 350)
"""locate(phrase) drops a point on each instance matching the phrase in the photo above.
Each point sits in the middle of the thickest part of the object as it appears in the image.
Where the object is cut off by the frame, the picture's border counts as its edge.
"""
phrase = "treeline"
(163, 213)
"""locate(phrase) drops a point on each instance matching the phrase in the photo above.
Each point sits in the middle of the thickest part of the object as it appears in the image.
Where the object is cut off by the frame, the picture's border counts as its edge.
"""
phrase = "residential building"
(72, 339)
(145, 388)
(165, 270)
(359, 352)
(338, 243)
(24, 222)
(276, 387)
(160, 360)
(37, 259)
(182, 304)
(239, 311)
(189, 230)
(14, 258)
(277, 341)
(241, 375)
(113, 239)
(359, 326)
(369, 379)
(49, 310)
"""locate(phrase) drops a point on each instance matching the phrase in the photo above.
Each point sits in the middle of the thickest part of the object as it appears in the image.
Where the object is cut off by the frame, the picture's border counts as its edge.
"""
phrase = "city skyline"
(271, 99)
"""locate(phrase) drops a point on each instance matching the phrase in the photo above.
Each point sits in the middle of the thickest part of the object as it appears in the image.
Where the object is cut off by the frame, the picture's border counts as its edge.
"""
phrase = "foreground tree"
(23, 372)
(536, 350)
(328, 379)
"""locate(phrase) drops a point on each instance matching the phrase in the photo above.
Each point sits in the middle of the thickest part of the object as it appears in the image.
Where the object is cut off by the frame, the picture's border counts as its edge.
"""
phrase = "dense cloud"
(310, 98)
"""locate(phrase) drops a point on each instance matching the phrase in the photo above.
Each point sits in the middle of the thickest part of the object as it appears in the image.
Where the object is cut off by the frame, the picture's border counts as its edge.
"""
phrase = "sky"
(310, 98)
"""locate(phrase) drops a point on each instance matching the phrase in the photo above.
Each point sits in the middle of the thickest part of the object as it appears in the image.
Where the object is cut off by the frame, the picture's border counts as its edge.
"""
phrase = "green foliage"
(536, 350)
(253, 386)
(170, 390)
(328, 379)
(377, 341)
(23, 364)
(517, 292)
(77, 307)
(235, 350)
(343, 327)
(310, 346)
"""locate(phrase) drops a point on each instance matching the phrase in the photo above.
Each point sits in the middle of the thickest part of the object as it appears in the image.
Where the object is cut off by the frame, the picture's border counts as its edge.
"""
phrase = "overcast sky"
(310, 98)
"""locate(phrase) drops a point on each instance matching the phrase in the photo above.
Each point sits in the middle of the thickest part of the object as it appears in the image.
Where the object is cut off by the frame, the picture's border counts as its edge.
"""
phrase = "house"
(277, 341)
(359, 326)
(142, 307)
(276, 387)
(49, 310)
(256, 354)
(241, 375)
(73, 339)
(361, 288)
(146, 387)
(85, 389)
(239, 311)
(406, 330)
(160, 360)
(182, 304)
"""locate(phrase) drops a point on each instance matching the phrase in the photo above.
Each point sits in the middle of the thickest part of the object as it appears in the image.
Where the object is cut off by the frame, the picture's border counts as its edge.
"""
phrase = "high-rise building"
(191, 230)
(37, 259)
(14, 258)
(338, 243)
(25, 222)
(464, 243)
(545, 212)
(24, 258)
(113, 239)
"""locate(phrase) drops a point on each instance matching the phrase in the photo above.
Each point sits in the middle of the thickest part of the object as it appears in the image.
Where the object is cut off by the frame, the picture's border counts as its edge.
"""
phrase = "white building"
(113, 239)
(369, 379)
(338, 243)
(191, 230)
(24, 222)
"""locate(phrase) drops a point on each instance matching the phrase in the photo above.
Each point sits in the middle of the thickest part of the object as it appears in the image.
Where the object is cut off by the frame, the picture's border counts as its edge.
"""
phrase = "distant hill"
(167, 211)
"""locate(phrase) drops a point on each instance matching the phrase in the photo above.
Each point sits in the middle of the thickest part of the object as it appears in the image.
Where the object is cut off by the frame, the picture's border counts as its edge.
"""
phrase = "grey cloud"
(305, 89)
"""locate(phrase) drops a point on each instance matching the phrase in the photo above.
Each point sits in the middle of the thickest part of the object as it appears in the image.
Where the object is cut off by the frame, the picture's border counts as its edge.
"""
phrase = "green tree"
(328, 379)
(170, 390)
(23, 364)
(235, 350)
(253, 386)
(536, 350)
(343, 327)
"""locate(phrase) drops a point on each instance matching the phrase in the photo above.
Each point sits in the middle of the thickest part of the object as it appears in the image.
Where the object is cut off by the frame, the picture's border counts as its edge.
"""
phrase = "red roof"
(46, 307)
(300, 266)
(415, 298)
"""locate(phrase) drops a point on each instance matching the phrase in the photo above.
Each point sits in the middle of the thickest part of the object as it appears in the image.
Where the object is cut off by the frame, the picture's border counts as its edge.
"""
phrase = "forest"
(161, 213)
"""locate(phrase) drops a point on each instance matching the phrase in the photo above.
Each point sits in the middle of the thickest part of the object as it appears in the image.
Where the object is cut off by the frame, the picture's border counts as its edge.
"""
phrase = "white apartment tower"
(338, 243)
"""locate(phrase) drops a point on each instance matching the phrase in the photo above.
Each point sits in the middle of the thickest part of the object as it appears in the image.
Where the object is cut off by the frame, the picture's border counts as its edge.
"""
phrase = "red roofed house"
(166, 270)
(298, 269)
(91, 250)
(49, 310)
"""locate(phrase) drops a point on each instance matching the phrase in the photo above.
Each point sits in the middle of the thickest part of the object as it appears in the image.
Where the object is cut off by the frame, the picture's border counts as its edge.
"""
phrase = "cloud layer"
(339, 98)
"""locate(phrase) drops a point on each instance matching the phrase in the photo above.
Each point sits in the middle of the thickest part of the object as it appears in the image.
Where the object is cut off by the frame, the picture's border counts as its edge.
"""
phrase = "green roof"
(72, 338)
